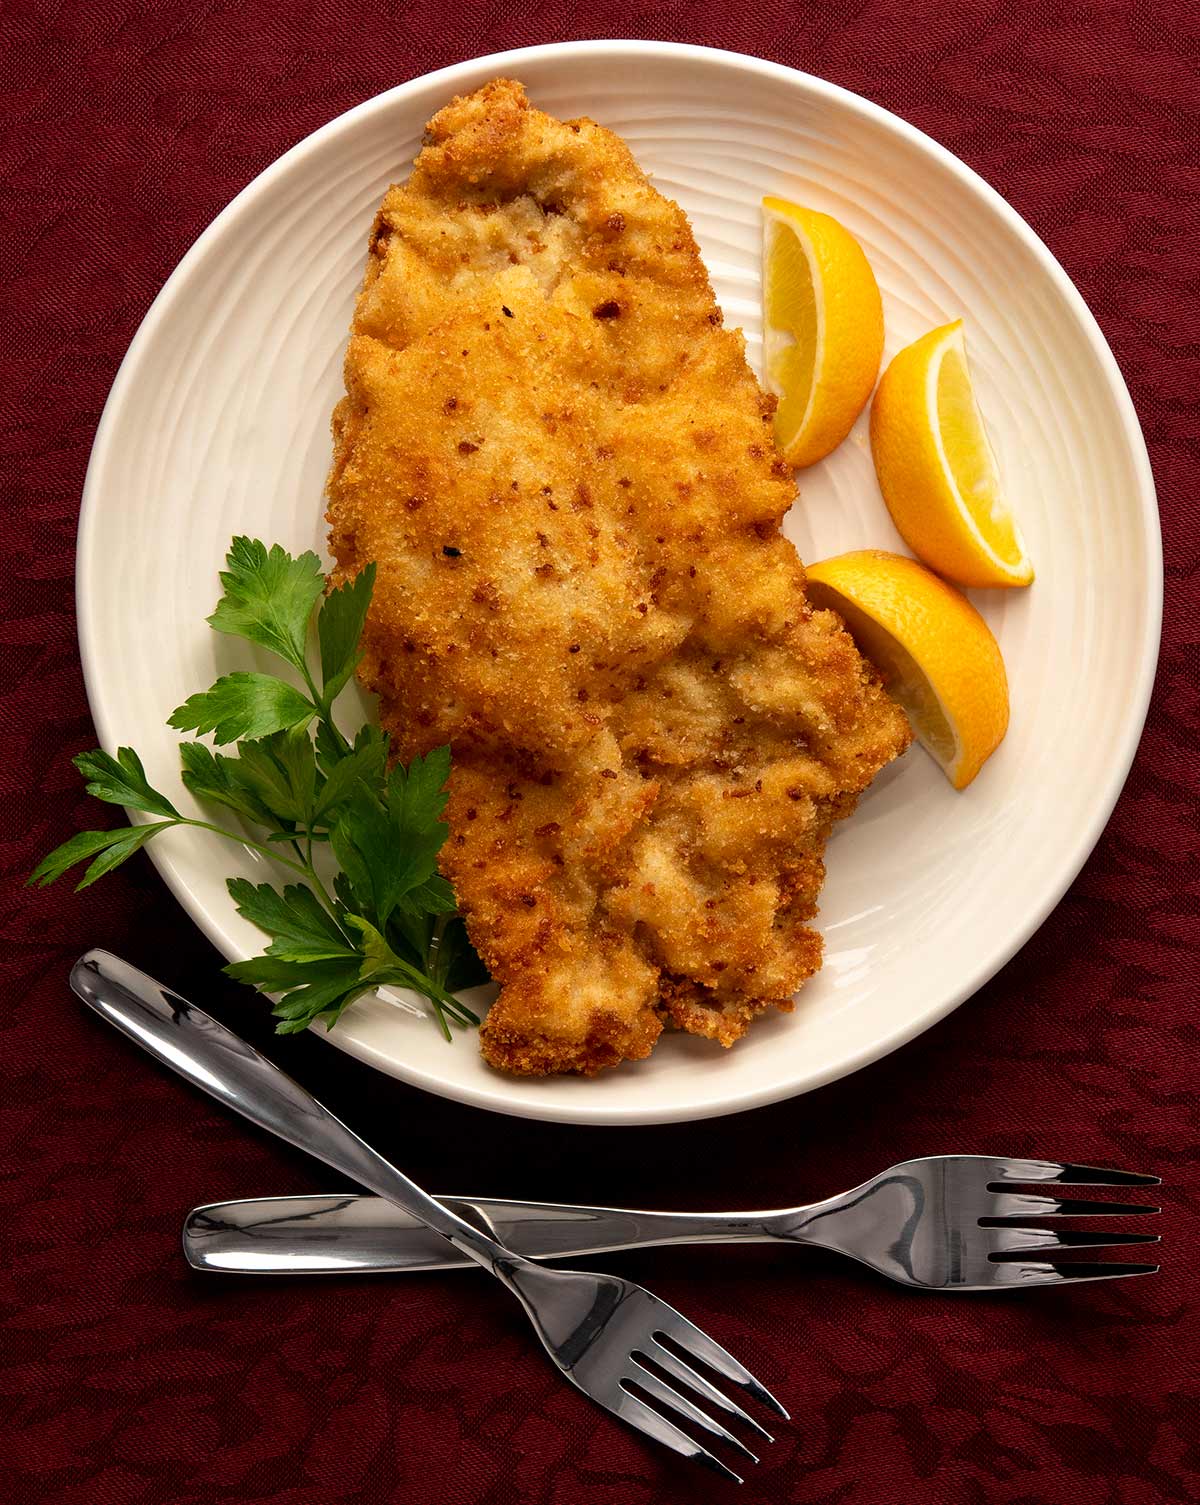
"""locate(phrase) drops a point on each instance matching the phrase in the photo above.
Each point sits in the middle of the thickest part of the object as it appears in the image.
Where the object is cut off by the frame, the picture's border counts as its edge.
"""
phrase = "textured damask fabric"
(127, 1380)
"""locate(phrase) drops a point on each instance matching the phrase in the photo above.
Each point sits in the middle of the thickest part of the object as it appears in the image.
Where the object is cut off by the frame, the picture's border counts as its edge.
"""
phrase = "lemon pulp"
(790, 306)
(970, 456)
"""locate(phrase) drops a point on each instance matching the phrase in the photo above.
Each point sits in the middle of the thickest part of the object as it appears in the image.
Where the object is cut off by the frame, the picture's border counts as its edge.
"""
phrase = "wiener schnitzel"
(565, 471)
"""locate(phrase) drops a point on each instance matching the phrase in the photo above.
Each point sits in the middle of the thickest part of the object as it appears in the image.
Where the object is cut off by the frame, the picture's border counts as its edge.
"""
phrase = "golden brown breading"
(565, 471)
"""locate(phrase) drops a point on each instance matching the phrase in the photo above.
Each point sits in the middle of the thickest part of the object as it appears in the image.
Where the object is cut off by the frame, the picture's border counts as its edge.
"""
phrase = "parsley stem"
(421, 982)
(324, 707)
(326, 898)
(333, 727)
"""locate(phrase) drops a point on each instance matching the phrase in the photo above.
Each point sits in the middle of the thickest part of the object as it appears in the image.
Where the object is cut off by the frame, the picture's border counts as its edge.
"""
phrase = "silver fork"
(946, 1223)
(604, 1333)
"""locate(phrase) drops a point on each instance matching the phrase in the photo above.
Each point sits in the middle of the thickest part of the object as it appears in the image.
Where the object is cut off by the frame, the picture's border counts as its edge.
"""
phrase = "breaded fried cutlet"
(565, 472)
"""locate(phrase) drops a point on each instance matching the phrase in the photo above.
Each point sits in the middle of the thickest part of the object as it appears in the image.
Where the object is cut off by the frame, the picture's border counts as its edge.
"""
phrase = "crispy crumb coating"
(565, 471)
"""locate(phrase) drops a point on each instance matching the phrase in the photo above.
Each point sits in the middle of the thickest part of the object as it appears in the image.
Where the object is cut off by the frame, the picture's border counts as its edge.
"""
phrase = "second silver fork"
(944, 1222)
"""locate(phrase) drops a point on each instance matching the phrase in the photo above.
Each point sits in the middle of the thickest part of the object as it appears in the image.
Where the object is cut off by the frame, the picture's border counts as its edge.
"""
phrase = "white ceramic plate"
(218, 423)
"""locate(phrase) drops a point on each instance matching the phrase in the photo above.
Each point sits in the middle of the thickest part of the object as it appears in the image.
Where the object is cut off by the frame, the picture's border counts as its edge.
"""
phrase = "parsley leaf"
(268, 599)
(122, 781)
(293, 752)
(315, 989)
(276, 972)
(331, 746)
(209, 776)
(113, 848)
(410, 934)
(321, 998)
(344, 893)
(242, 705)
(416, 801)
(301, 930)
(378, 957)
(134, 839)
(387, 851)
(261, 771)
(360, 826)
(339, 627)
(455, 962)
(433, 897)
(365, 765)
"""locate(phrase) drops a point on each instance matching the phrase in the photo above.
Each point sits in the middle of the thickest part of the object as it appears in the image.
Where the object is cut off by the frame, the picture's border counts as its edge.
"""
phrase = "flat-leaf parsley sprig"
(390, 918)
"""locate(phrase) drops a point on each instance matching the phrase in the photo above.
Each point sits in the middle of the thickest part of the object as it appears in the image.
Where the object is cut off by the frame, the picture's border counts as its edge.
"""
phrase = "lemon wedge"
(936, 468)
(936, 654)
(822, 328)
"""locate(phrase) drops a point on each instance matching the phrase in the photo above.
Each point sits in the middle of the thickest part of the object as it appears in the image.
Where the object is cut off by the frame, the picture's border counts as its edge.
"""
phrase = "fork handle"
(221, 1063)
(348, 1234)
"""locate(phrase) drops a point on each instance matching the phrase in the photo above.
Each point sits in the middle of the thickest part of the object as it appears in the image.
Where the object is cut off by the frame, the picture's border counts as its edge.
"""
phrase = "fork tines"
(659, 1388)
(1017, 1204)
(1047, 1272)
(1065, 1174)
(1010, 1240)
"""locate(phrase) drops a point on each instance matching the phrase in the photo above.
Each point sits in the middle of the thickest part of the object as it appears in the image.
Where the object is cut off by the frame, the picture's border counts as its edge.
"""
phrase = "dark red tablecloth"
(128, 1379)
